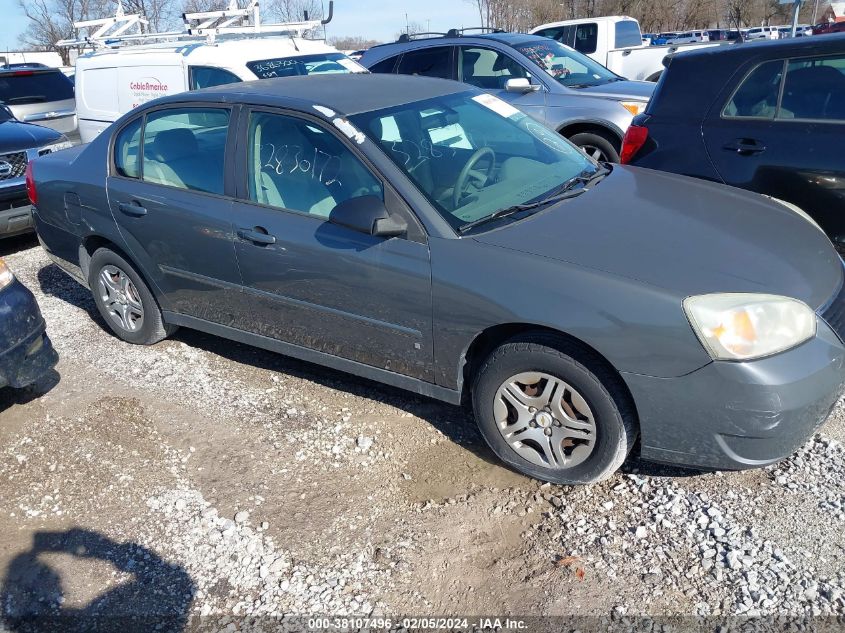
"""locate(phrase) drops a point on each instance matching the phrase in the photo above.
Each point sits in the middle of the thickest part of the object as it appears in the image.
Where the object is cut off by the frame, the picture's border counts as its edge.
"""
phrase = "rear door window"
(127, 150)
(428, 62)
(185, 148)
(628, 34)
(814, 89)
(586, 38)
(757, 95)
(28, 87)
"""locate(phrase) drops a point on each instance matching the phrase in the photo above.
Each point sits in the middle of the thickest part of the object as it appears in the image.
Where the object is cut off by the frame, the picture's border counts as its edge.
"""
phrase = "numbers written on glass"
(265, 67)
(293, 159)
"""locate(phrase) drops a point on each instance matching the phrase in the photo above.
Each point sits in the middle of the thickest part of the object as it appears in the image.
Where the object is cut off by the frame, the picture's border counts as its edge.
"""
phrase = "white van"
(111, 82)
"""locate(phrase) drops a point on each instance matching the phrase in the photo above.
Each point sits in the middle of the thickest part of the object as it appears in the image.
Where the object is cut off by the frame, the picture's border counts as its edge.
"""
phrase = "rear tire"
(593, 423)
(597, 145)
(125, 301)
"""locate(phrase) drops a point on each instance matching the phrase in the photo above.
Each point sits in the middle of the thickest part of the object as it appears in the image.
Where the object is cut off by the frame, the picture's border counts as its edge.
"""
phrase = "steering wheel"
(464, 176)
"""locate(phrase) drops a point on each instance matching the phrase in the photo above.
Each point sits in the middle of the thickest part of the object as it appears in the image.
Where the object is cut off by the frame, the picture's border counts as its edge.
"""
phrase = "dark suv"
(764, 116)
(20, 143)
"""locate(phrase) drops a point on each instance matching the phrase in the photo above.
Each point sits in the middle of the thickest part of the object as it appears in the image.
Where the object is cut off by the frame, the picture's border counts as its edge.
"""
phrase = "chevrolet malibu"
(429, 236)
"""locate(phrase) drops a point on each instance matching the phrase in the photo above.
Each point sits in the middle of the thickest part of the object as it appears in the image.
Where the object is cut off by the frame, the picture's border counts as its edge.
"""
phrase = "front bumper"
(27, 353)
(15, 211)
(735, 415)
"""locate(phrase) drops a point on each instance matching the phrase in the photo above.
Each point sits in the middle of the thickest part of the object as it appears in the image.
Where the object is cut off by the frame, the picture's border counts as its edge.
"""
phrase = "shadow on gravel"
(155, 597)
(10, 397)
(11, 245)
(454, 422)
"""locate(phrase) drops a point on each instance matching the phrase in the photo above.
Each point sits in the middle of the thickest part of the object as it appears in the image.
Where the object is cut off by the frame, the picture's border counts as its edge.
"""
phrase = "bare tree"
(52, 20)
(354, 43)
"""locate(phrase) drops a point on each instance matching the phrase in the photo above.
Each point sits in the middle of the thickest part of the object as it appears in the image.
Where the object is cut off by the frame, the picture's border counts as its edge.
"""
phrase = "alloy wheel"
(595, 153)
(120, 298)
(545, 420)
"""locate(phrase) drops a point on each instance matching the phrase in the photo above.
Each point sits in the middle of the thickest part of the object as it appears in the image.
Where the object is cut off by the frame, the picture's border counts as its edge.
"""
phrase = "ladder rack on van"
(244, 22)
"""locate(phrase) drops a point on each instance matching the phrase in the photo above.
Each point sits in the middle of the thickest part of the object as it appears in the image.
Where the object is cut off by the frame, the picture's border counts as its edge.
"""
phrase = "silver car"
(38, 94)
(554, 84)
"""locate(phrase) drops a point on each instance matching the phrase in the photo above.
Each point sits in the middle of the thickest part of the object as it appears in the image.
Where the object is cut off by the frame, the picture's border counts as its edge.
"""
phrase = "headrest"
(174, 144)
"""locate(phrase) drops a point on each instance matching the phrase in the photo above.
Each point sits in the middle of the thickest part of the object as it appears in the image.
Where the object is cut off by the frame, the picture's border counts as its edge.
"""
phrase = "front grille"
(12, 165)
(834, 314)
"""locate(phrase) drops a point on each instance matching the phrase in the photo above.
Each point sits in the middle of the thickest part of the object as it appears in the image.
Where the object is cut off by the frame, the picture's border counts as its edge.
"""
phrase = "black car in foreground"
(20, 143)
(767, 116)
(26, 353)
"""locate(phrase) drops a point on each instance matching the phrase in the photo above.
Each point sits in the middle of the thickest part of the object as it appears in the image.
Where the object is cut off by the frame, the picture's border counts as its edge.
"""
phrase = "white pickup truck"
(617, 43)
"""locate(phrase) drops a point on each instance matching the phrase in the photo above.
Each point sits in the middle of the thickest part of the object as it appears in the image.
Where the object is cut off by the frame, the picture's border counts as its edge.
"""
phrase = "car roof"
(343, 94)
(392, 48)
(764, 49)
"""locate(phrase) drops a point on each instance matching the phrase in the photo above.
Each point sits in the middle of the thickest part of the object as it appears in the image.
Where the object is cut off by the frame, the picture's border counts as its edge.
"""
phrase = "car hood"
(685, 235)
(16, 136)
(637, 90)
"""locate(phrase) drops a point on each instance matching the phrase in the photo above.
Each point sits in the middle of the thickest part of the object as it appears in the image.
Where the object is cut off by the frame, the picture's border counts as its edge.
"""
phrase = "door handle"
(258, 235)
(134, 209)
(745, 147)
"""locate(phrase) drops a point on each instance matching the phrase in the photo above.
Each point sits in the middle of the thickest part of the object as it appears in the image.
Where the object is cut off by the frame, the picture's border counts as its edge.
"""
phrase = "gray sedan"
(430, 236)
(553, 83)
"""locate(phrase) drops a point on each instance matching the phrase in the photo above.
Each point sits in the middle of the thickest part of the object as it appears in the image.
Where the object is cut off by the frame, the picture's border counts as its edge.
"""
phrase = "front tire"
(554, 411)
(124, 300)
(597, 145)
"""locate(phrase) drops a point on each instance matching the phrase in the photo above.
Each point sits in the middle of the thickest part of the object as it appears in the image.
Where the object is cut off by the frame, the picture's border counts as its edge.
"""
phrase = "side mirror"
(368, 215)
(520, 85)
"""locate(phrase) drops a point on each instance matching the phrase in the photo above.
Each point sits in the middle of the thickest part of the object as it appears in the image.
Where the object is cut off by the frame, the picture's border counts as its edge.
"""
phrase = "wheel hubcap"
(545, 420)
(594, 152)
(121, 299)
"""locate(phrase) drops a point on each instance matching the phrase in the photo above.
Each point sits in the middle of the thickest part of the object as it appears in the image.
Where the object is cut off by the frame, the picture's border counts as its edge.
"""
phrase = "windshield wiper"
(564, 192)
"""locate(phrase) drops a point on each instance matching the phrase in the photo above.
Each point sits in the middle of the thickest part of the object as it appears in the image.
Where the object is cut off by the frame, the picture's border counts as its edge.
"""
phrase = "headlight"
(797, 209)
(6, 275)
(742, 326)
(55, 147)
(634, 107)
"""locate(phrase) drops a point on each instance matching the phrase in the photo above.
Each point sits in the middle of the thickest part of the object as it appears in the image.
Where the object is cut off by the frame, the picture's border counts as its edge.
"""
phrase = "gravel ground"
(201, 477)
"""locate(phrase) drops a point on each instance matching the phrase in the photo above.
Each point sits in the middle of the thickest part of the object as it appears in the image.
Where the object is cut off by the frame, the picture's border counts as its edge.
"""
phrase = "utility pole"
(797, 11)
(815, 10)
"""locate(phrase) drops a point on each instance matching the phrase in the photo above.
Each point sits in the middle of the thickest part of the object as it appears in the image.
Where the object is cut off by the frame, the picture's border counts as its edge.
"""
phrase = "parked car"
(37, 94)
(690, 37)
(662, 39)
(748, 135)
(110, 82)
(430, 236)
(762, 33)
(26, 353)
(831, 27)
(20, 143)
(615, 42)
(557, 86)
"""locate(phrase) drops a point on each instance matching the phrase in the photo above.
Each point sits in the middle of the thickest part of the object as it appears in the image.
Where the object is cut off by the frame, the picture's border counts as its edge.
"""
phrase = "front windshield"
(565, 64)
(473, 154)
(317, 64)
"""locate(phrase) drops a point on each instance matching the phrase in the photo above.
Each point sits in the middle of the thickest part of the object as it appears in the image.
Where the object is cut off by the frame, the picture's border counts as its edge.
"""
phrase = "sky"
(374, 19)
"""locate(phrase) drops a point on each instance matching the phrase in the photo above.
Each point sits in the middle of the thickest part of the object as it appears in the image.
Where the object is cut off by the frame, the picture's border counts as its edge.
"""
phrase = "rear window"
(628, 34)
(317, 64)
(34, 87)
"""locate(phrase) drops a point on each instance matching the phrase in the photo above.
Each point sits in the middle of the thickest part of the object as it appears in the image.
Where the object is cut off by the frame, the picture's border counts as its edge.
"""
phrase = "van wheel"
(597, 145)
(553, 411)
(125, 301)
